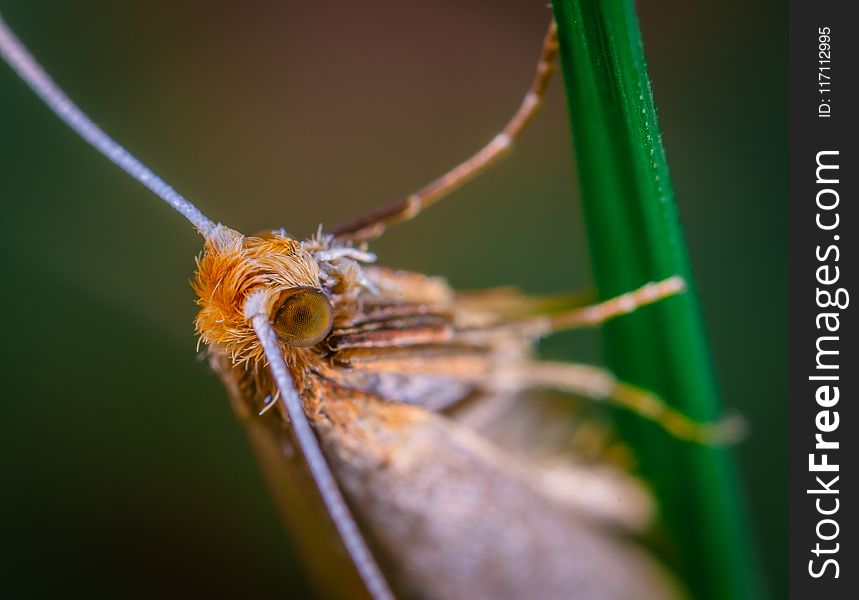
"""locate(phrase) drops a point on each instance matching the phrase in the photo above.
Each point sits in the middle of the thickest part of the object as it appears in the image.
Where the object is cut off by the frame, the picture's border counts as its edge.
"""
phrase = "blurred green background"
(123, 469)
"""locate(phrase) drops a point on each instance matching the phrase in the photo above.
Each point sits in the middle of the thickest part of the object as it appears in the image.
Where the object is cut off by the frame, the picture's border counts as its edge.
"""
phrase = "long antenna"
(14, 53)
(20, 59)
(331, 495)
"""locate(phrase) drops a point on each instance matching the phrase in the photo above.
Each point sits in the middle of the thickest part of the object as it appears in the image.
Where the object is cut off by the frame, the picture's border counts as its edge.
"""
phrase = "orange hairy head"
(232, 267)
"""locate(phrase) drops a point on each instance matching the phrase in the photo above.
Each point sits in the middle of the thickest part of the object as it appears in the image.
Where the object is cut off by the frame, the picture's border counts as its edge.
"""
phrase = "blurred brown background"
(123, 470)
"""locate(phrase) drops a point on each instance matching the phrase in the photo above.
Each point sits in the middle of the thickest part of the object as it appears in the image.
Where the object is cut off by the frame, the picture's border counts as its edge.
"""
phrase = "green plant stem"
(635, 237)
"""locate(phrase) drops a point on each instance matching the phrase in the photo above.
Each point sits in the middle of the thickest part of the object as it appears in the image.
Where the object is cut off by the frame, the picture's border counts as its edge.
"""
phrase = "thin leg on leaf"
(595, 314)
(600, 385)
(373, 224)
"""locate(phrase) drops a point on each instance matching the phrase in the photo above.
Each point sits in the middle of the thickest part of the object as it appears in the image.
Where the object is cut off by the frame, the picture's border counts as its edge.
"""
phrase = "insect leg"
(373, 224)
(309, 445)
(596, 314)
(600, 385)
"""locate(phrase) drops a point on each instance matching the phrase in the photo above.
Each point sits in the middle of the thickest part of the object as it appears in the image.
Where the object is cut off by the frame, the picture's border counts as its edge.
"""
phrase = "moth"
(404, 418)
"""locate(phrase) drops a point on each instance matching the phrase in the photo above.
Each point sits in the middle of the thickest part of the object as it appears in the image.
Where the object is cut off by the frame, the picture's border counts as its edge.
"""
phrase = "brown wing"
(314, 537)
(453, 516)
(448, 513)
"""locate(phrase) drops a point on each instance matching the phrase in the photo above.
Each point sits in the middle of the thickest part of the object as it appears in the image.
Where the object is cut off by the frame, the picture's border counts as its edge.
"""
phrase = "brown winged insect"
(401, 416)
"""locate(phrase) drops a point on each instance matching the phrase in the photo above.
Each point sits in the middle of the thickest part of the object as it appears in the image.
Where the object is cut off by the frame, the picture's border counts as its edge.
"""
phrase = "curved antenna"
(327, 485)
(20, 59)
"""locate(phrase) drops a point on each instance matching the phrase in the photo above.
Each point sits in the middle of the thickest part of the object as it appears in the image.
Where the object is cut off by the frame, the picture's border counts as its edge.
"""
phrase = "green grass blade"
(635, 237)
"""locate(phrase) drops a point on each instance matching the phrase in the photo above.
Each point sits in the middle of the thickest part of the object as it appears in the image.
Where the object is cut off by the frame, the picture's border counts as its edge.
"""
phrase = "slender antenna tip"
(27, 67)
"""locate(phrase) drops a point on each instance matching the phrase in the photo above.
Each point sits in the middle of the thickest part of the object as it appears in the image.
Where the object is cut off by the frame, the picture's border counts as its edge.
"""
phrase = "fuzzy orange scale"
(229, 269)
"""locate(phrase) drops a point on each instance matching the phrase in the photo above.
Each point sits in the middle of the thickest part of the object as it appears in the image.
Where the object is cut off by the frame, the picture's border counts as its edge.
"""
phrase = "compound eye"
(304, 318)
